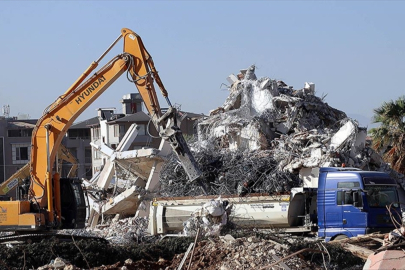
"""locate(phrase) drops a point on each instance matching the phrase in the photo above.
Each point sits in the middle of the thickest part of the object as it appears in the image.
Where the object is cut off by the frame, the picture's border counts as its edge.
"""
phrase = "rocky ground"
(254, 251)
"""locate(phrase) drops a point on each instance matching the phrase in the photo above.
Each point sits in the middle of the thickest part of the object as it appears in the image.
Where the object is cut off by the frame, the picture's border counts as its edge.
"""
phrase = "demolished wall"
(269, 137)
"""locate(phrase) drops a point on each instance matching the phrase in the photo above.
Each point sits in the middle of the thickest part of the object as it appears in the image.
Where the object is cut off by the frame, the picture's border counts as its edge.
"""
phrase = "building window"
(119, 130)
(19, 132)
(122, 130)
(97, 154)
(79, 134)
(116, 131)
(20, 153)
(89, 173)
(87, 155)
(96, 133)
(141, 130)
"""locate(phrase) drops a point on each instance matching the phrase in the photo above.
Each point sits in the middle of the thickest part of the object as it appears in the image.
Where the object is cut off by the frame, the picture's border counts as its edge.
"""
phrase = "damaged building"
(269, 137)
(127, 154)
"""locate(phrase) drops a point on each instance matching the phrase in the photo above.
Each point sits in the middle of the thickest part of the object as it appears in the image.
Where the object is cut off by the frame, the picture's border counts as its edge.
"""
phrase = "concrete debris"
(210, 218)
(269, 137)
(58, 263)
(116, 229)
(256, 253)
(127, 178)
(126, 230)
(388, 259)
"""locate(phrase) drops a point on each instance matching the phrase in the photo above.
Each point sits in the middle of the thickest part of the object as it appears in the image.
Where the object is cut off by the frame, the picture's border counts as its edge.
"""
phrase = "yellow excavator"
(53, 202)
(17, 179)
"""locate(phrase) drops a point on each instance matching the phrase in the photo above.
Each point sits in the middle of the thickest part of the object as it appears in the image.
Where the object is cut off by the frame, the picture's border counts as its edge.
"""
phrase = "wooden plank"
(360, 238)
(360, 252)
(378, 240)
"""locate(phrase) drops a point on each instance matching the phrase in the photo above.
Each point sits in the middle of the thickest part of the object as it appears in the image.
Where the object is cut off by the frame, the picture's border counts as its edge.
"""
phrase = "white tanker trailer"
(347, 202)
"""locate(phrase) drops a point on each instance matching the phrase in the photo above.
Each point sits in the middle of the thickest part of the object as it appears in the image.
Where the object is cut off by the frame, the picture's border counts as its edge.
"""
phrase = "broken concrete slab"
(125, 203)
(388, 259)
(133, 173)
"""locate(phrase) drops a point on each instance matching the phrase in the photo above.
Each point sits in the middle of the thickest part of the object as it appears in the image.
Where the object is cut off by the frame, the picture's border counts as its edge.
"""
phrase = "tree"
(389, 137)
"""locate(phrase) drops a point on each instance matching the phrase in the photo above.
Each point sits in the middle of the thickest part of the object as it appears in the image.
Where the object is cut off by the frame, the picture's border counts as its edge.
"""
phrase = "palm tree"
(389, 137)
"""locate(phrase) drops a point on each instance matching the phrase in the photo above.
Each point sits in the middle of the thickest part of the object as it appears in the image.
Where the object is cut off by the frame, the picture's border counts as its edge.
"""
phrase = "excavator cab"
(73, 205)
(23, 189)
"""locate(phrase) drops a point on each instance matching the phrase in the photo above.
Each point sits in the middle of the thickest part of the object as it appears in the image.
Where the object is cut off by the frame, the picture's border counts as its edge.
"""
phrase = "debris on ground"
(254, 252)
(257, 251)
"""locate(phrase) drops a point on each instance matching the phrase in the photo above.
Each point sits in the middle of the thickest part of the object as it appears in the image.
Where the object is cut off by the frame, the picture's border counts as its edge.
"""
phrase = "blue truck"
(353, 202)
(347, 202)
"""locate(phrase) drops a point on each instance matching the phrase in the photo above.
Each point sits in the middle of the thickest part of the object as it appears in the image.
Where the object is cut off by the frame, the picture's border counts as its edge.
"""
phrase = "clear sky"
(353, 51)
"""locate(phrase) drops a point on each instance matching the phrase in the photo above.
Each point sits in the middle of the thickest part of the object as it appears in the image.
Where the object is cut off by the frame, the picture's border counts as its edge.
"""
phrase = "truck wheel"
(341, 237)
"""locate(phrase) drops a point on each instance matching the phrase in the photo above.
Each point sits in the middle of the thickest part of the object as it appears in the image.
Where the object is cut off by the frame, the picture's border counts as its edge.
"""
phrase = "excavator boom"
(45, 194)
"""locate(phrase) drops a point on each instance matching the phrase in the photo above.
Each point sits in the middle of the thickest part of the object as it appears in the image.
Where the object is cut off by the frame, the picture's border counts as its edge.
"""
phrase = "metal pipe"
(4, 159)
(89, 69)
(168, 101)
(109, 48)
(48, 157)
(49, 188)
(57, 162)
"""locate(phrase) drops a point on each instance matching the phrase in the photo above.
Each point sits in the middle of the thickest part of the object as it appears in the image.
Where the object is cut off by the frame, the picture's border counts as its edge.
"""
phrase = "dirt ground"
(224, 253)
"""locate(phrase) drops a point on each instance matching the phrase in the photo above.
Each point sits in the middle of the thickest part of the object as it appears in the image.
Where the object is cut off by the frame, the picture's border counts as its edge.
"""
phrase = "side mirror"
(355, 197)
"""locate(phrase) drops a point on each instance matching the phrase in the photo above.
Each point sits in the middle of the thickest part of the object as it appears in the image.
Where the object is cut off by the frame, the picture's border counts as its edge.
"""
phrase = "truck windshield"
(380, 196)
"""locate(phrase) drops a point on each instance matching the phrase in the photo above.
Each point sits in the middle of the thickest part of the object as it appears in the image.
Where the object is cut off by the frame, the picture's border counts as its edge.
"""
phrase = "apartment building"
(15, 144)
(113, 126)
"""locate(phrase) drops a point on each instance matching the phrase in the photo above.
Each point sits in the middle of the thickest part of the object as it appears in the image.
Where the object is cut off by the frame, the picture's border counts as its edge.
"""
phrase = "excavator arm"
(65, 155)
(60, 115)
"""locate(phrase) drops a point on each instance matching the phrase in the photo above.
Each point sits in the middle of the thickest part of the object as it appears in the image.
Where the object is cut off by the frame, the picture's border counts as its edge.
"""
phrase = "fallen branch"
(358, 251)
(84, 258)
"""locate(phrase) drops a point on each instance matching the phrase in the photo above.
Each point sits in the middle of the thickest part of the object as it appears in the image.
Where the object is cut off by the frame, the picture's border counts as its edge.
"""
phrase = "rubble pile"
(226, 253)
(228, 173)
(117, 230)
(269, 137)
(125, 230)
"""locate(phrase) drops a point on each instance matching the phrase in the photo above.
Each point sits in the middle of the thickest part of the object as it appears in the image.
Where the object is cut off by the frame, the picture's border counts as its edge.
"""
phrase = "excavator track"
(38, 237)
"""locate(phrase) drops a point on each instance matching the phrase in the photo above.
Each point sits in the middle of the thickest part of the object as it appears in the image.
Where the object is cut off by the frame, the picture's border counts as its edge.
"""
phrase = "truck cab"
(353, 202)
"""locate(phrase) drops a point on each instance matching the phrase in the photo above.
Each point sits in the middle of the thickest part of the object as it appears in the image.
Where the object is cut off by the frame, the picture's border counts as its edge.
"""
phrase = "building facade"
(15, 144)
(112, 127)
